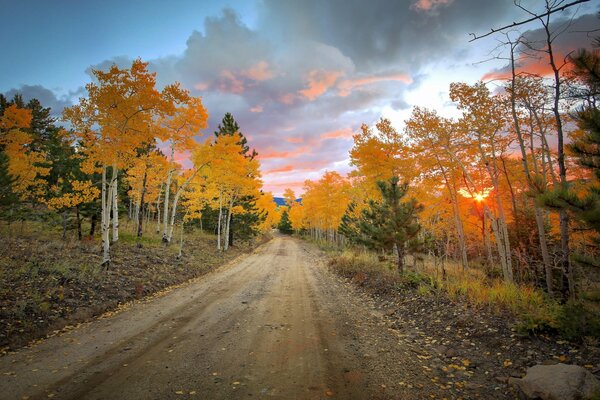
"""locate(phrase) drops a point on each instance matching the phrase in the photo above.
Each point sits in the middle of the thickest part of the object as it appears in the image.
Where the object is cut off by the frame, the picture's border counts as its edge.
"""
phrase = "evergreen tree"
(244, 225)
(392, 224)
(587, 147)
(229, 126)
(285, 226)
(349, 225)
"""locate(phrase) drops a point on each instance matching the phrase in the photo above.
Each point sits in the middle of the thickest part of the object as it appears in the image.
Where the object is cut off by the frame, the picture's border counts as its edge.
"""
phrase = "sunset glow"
(477, 196)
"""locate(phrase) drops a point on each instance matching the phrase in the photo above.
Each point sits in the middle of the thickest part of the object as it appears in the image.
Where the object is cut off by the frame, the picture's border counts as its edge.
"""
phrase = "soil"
(276, 324)
(47, 284)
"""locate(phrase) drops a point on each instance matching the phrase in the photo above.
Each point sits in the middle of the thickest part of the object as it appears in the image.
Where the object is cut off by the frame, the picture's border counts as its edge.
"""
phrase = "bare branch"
(535, 16)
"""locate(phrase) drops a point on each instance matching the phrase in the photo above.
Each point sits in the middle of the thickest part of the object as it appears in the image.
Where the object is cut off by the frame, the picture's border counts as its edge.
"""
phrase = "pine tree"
(229, 126)
(349, 225)
(392, 223)
(587, 146)
(245, 225)
(285, 226)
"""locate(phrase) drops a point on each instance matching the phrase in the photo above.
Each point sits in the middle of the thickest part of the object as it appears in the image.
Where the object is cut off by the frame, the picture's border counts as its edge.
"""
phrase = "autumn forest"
(474, 233)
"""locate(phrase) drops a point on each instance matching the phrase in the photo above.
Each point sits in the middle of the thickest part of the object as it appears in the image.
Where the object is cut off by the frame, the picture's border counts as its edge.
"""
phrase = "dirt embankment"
(47, 284)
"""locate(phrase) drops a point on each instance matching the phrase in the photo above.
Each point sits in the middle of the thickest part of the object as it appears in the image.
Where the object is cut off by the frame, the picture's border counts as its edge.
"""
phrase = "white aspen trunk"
(219, 223)
(158, 211)
(506, 273)
(105, 223)
(167, 193)
(226, 244)
(459, 226)
(539, 220)
(451, 186)
(488, 244)
(136, 215)
(499, 223)
(173, 212)
(181, 240)
(115, 205)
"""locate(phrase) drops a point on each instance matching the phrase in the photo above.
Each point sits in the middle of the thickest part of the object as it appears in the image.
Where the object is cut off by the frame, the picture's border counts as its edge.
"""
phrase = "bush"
(577, 321)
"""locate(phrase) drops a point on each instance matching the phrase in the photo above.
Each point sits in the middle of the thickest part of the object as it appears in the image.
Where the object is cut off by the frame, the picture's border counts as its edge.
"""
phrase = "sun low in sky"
(299, 77)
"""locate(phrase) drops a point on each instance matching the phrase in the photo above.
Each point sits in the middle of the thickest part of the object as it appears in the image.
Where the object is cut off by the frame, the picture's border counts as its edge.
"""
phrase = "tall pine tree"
(244, 225)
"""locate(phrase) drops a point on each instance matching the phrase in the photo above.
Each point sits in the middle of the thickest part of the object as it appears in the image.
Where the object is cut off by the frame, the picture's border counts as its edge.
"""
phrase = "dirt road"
(276, 324)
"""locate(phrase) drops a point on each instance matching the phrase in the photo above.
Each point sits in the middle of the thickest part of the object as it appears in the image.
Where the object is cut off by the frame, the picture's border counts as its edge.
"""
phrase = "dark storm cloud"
(378, 34)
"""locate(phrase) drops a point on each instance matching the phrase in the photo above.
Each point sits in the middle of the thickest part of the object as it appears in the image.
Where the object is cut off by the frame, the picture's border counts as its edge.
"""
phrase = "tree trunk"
(115, 205)
(93, 222)
(140, 216)
(64, 225)
(78, 216)
(181, 240)
(158, 211)
(219, 223)
(399, 251)
(167, 193)
(567, 289)
(539, 220)
(106, 200)
(227, 228)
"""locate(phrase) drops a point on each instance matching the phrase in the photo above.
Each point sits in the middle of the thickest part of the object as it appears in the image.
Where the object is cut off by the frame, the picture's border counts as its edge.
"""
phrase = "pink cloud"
(257, 109)
(295, 140)
(287, 99)
(270, 153)
(285, 168)
(341, 133)
(259, 72)
(429, 5)
(201, 86)
(527, 66)
(347, 85)
(230, 83)
(318, 83)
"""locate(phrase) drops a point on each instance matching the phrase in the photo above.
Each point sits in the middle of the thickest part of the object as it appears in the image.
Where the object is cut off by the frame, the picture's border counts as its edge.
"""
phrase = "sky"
(300, 77)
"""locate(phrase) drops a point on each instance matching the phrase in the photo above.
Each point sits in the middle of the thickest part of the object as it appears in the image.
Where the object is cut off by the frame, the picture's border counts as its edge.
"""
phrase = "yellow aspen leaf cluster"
(23, 162)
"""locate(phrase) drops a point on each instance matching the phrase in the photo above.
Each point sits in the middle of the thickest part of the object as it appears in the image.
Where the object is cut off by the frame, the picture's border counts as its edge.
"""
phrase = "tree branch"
(514, 24)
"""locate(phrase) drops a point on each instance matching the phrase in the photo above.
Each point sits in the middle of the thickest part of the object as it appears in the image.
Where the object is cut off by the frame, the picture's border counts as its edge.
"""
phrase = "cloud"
(346, 86)
(319, 82)
(259, 72)
(342, 133)
(305, 75)
(46, 97)
(285, 168)
(429, 5)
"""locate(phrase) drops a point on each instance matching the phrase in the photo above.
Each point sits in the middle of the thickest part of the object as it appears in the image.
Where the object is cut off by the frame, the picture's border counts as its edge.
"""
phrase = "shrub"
(577, 321)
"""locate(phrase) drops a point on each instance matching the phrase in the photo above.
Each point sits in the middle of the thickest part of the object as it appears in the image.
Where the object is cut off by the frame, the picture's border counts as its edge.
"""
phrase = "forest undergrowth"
(48, 284)
(526, 309)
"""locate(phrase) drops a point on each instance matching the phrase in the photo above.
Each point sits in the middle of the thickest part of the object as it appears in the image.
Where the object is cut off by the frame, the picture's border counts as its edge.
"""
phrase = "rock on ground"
(557, 382)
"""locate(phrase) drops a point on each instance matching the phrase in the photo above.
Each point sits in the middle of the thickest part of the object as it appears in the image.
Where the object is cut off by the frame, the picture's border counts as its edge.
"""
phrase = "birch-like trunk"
(173, 213)
(539, 220)
(158, 211)
(568, 286)
(178, 193)
(181, 240)
(115, 205)
(219, 223)
(165, 237)
(105, 222)
(227, 226)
